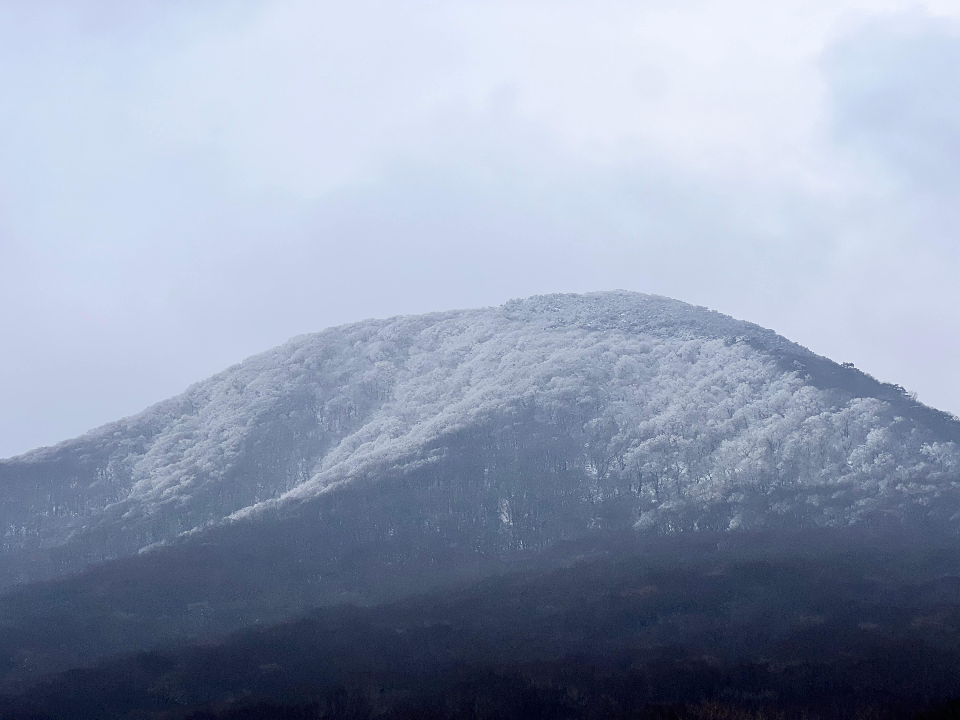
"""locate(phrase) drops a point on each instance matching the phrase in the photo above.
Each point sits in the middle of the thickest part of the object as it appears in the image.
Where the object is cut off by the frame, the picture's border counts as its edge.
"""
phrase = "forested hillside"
(667, 416)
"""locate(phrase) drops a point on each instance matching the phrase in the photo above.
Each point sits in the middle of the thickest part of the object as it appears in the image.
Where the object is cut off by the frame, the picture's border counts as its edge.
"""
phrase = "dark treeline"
(831, 625)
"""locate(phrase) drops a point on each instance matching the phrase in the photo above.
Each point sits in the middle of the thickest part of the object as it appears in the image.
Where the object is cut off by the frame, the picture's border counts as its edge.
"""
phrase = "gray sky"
(184, 184)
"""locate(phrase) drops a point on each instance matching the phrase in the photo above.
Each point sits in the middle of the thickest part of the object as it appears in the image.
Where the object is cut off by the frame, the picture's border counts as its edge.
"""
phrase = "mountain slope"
(565, 410)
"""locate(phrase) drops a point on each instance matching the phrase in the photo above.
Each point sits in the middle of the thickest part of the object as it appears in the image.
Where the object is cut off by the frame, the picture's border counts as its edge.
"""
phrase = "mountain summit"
(506, 428)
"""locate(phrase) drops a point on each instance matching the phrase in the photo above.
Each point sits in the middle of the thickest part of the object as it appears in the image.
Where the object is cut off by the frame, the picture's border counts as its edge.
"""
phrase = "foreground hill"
(541, 419)
(836, 624)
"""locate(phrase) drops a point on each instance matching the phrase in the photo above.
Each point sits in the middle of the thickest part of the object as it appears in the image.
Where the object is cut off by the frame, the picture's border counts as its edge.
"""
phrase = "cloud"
(896, 99)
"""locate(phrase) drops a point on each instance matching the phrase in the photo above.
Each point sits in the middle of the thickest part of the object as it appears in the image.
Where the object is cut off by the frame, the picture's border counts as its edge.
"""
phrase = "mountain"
(502, 430)
(376, 461)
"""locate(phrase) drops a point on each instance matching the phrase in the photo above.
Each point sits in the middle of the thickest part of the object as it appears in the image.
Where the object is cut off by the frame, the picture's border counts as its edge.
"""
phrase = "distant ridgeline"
(498, 430)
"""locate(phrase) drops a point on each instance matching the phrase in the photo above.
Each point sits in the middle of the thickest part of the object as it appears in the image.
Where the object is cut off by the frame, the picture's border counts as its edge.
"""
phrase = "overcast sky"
(183, 184)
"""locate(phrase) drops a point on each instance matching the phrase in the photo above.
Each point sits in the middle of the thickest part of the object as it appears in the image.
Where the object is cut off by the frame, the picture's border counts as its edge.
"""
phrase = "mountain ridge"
(754, 334)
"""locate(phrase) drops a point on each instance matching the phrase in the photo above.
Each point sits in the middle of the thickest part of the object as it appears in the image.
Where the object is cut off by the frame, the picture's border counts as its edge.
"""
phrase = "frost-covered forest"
(540, 418)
